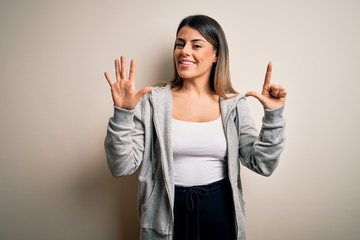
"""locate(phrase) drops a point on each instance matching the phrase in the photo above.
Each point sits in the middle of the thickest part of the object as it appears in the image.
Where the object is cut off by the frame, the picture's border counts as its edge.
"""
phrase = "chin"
(184, 74)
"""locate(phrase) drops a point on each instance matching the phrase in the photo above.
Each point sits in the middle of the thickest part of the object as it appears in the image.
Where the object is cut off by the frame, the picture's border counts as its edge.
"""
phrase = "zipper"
(166, 180)
(226, 123)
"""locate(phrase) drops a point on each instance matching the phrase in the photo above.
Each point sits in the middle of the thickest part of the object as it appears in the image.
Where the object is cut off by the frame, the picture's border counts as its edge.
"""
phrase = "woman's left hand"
(272, 96)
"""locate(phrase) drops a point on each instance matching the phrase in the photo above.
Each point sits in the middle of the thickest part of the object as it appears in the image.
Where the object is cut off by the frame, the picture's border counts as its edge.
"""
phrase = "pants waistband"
(192, 196)
(209, 188)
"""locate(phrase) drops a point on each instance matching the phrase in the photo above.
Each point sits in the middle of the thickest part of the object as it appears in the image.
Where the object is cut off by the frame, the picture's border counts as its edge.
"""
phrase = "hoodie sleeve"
(124, 142)
(260, 152)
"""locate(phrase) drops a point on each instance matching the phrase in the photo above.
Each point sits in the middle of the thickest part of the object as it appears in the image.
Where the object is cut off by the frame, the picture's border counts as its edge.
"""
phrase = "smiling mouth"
(187, 63)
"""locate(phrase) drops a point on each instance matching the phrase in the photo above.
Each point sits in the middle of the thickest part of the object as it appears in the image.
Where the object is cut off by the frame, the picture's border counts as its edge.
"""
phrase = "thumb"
(142, 92)
(255, 95)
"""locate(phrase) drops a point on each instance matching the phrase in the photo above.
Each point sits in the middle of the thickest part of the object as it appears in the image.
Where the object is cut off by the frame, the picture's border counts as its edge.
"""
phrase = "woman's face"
(194, 55)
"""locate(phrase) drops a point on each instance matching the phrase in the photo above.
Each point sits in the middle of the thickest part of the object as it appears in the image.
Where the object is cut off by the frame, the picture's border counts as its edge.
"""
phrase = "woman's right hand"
(123, 89)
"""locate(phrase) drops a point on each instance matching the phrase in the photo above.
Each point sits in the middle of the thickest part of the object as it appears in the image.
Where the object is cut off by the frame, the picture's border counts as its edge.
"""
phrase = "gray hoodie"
(143, 136)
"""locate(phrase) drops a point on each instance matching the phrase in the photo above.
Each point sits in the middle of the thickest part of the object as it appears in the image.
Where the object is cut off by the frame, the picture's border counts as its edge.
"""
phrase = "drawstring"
(190, 199)
(192, 195)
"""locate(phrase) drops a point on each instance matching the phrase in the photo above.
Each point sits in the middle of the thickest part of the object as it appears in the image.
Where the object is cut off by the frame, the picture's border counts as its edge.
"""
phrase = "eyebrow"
(194, 40)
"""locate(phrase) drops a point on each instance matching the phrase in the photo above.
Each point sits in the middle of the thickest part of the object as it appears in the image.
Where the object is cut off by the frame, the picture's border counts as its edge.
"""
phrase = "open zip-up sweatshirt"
(143, 137)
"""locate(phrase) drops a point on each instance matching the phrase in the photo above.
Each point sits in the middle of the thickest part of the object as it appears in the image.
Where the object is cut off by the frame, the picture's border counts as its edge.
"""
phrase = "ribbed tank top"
(199, 150)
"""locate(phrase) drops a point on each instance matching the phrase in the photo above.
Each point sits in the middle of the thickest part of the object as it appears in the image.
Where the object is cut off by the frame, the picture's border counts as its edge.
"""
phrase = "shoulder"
(160, 93)
(161, 89)
(156, 92)
(233, 99)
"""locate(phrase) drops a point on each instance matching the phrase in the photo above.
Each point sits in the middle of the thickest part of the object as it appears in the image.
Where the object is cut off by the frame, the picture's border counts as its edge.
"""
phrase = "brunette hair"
(210, 29)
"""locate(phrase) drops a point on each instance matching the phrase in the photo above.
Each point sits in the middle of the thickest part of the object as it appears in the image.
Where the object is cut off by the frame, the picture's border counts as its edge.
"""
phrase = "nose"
(186, 50)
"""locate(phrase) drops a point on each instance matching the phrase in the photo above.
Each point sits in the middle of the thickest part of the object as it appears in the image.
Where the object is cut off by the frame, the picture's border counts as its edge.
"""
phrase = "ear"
(215, 57)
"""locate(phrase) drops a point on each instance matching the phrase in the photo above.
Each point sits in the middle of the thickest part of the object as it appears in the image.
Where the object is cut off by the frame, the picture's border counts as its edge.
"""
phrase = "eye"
(179, 45)
(197, 46)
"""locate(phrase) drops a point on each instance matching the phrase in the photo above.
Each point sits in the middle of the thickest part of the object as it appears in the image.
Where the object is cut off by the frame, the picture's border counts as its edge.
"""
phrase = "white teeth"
(186, 63)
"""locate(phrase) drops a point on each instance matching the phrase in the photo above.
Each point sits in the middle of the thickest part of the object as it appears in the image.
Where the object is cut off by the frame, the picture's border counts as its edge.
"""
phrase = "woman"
(190, 136)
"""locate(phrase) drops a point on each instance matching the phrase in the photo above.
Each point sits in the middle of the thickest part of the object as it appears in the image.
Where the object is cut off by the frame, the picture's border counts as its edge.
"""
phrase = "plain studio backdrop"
(55, 104)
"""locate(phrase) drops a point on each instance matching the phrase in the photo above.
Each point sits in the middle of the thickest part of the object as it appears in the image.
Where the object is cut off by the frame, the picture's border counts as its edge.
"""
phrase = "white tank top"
(199, 150)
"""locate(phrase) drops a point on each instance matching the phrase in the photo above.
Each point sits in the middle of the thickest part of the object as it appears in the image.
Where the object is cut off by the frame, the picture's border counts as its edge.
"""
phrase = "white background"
(55, 104)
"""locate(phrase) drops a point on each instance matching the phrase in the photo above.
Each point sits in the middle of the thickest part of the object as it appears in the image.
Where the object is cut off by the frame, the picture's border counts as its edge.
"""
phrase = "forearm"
(124, 142)
(263, 152)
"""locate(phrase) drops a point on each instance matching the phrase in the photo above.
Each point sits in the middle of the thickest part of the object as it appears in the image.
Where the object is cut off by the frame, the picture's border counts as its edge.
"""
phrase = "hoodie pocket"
(150, 196)
(156, 211)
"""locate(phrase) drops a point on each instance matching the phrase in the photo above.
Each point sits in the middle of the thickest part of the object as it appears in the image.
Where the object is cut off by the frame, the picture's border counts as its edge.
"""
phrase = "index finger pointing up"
(267, 81)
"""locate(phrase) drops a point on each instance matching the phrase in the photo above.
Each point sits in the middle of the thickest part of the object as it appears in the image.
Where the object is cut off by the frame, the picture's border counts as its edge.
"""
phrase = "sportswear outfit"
(143, 136)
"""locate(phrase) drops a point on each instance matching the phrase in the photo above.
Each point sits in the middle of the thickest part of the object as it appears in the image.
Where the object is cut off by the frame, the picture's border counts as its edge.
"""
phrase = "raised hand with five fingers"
(272, 95)
(123, 89)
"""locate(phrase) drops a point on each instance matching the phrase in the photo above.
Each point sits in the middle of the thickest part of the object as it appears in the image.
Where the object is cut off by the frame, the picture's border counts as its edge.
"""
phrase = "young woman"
(190, 136)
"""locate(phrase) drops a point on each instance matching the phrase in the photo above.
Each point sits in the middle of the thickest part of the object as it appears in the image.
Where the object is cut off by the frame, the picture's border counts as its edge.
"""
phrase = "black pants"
(204, 212)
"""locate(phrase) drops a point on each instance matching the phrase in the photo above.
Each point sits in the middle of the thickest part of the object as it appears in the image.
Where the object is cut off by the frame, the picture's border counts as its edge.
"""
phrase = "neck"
(197, 87)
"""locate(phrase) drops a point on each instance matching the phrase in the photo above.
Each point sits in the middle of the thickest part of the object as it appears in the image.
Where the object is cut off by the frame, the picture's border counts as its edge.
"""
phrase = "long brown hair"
(220, 81)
